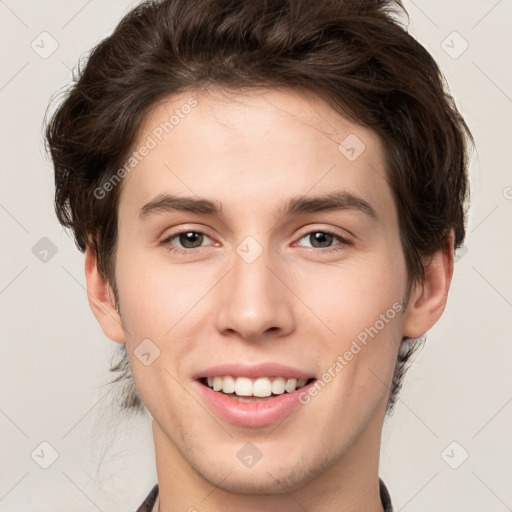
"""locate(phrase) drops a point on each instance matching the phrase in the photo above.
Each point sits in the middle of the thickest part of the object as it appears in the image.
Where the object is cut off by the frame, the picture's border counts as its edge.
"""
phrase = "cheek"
(362, 309)
(154, 295)
(351, 296)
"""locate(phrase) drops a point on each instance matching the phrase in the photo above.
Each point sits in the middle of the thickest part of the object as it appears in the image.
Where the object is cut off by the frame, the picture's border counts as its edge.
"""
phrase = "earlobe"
(428, 300)
(101, 299)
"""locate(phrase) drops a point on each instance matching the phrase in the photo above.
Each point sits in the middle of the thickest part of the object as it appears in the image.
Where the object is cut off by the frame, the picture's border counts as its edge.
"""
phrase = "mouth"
(236, 400)
(261, 389)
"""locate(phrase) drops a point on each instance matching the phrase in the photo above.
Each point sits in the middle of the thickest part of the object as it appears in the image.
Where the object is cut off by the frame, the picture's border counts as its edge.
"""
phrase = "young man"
(269, 195)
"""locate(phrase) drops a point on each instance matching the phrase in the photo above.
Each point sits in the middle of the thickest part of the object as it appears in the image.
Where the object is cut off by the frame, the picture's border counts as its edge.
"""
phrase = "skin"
(252, 152)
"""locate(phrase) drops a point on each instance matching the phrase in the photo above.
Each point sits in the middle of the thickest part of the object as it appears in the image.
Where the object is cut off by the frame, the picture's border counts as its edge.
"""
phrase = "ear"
(99, 293)
(428, 300)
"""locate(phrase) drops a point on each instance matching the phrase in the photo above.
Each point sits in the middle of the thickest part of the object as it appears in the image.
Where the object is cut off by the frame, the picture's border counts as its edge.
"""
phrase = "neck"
(350, 484)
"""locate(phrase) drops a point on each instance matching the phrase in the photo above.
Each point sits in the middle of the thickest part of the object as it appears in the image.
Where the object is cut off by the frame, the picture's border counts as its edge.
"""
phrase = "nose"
(255, 300)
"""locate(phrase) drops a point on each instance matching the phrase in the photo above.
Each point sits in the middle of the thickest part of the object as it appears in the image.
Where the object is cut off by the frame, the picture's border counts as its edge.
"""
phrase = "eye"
(190, 240)
(321, 239)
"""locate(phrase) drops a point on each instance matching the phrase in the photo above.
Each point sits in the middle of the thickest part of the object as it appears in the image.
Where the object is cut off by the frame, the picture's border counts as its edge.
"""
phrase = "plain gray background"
(448, 446)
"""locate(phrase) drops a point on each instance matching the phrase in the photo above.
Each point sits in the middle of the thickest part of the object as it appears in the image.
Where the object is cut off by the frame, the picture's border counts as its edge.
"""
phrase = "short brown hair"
(354, 54)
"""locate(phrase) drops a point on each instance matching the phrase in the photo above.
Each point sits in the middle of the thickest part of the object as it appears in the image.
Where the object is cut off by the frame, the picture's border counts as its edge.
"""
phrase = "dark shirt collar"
(385, 498)
(148, 504)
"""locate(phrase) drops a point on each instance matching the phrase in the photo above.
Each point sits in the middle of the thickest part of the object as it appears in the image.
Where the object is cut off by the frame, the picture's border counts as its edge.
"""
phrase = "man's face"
(251, 286)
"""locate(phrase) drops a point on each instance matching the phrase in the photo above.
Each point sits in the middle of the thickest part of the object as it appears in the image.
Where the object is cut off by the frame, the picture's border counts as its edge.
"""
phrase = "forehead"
(241, 148)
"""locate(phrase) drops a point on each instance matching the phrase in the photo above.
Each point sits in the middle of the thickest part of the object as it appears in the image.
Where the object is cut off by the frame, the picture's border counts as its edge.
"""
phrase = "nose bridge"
(255, 300)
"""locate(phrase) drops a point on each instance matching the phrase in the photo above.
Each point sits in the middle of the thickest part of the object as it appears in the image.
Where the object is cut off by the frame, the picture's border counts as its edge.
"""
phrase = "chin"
(260, 479)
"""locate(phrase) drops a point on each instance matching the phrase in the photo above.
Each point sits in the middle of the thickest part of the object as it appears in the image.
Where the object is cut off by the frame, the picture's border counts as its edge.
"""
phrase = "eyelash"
(344, 241)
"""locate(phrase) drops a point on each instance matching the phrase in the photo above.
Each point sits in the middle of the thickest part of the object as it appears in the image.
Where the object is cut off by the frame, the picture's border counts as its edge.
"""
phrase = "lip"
(253, 371)
(251, 414)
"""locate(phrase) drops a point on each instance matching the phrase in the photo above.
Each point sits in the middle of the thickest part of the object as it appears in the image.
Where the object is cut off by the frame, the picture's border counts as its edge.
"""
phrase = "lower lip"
(252, 414)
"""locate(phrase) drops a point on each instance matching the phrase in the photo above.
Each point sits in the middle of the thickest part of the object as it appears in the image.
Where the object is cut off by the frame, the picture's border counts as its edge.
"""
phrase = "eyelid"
(344, 241)
(308, 231)
(174, 234)
(342, 233)
(176, 230)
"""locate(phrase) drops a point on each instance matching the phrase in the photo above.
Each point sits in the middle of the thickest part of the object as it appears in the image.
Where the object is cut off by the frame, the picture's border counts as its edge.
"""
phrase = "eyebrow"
(294, 206)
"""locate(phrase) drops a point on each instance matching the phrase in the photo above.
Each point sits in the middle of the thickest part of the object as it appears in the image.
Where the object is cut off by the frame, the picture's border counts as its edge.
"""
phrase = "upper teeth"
(262, 386)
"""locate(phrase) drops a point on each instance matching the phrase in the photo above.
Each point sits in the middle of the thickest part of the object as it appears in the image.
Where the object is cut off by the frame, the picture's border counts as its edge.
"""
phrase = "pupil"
(318, 238)
(191, 234)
